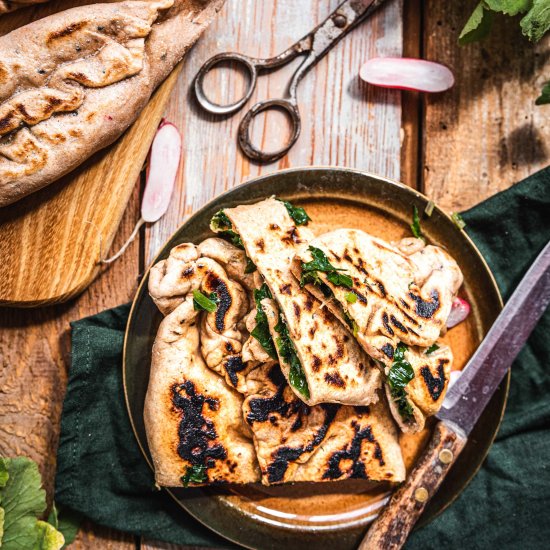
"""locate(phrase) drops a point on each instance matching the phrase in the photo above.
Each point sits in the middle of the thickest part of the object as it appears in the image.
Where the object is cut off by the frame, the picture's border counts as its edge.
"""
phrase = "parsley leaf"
(320, 263)
(415, 225)
(478, 25)
(298, 214)
(194, 474)
(399, 375)
(457, 218)
(544, 96)
(431, 349)
(48, 537)
(536, 22)
(261, 330)
(206, 303)
(351, 297)
(250, 266)
(222, 225)
(296, 375)
(66, 521)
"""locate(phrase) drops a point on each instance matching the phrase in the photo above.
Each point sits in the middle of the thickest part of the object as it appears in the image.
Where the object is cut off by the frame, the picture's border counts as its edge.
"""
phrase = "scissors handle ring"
(215, 108)
(249, 149)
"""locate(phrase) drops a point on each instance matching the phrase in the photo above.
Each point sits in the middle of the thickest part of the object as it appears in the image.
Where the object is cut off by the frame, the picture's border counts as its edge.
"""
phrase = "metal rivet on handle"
(446, 456)
(340, 21)
(421, 494)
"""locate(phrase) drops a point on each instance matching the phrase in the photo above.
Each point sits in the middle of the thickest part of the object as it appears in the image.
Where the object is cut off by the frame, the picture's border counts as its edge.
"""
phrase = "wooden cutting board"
(51, 241)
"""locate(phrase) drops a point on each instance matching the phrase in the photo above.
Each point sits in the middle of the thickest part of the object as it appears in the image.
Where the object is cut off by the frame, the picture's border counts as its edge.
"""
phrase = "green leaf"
(1, 525)
(250, 266)
(509, 7)
(431, 349)
(23, 500)
(351, 297)
(544, 97)
(52, 518)
(478, 26)
(206, 303)
(320, 263)
(261, 330)
(194, 474)
(48, 537)
(415, 225)
(222, 225)
(399, 375)
(4, 475)
(297, 213)
(457, 218)
(68, 523)
(296, 375)
(536, 22)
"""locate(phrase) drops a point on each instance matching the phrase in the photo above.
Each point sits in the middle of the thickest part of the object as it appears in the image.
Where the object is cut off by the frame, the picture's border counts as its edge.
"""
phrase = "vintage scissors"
(315, 44)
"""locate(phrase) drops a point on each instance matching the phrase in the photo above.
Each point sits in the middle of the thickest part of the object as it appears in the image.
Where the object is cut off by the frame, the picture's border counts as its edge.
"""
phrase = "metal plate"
(294, 516)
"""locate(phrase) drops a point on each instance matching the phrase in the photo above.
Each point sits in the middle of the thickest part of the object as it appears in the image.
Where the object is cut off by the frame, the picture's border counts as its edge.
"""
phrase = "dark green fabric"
(101, 472)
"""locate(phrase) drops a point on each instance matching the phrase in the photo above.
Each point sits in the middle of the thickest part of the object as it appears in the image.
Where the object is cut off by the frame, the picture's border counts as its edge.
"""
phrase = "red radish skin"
(164, 160)
(404, 73)
(459, 311)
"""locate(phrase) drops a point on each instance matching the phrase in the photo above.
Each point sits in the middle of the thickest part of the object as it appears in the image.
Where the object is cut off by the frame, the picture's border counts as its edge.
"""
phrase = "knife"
(463, 405)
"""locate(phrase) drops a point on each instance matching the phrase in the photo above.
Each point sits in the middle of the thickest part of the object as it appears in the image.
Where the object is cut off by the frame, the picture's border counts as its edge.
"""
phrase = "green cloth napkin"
(101, 472)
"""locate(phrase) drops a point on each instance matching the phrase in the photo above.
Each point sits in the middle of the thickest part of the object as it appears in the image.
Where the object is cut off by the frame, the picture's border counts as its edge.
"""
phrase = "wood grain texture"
(393, 525)
(344, 122)
(486, 133)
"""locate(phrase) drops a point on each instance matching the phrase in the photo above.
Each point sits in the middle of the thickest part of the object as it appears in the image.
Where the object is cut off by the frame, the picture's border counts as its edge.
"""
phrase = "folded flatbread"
(398, 295)
(193, 419)
(327, 365)
(71, 83)
(326, 442)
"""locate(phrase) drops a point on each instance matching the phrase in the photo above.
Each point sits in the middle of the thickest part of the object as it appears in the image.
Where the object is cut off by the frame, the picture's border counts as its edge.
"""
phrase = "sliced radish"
(164, 160)
(459, 311)
(407, 74)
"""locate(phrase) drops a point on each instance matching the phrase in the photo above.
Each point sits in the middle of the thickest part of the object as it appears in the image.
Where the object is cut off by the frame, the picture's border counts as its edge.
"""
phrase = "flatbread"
(326, 442)
(71, 83)
(192, 417)
(337, 370)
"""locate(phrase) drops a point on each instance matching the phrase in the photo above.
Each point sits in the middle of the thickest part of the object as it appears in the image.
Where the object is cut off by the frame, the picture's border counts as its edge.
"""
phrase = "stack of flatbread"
(71, 83)
(285, 356)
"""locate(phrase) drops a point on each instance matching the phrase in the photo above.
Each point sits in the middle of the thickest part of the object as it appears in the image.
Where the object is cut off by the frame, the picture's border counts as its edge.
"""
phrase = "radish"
(164, 160)
(407, 74)
(459, 311)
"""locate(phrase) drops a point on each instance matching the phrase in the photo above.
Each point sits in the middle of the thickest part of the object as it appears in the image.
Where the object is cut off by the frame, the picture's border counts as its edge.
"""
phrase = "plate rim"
(249, 183)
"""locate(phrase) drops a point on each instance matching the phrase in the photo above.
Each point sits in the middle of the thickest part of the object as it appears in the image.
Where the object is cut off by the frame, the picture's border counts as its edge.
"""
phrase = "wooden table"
(459, 148)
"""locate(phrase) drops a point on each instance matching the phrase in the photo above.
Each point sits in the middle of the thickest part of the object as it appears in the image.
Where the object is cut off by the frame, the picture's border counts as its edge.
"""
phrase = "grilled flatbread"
(71, 83)
(193, 419)
(326, 442)
(328, 366)
(398, 295)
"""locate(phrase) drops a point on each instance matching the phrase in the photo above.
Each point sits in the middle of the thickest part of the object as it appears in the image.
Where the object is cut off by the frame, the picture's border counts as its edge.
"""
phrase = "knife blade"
(463, 406)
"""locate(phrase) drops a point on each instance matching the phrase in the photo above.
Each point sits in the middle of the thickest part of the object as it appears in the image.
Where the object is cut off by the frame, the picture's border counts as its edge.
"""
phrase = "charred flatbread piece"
(193, 419)
(71, 83)
(325, 442)
(319, 358)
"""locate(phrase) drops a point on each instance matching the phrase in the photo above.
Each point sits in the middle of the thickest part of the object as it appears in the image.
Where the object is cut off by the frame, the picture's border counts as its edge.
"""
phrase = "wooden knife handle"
(392, 527)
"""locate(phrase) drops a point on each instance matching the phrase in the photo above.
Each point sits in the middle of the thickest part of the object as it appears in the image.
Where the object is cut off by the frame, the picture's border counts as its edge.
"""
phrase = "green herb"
(351, 297)
(22, 501)
(296, 375)
(431, 349)
(351, 323)
(429, 208)
(457, 218)
(261, 330)
(310, 271)
(250, 266)
(415, 225)
(194, 474)
(297, 213)
(66, 521)
(399, 375)
(221, 224)
(355, 329)
(534, 24)
(544, 96)
(206, 303)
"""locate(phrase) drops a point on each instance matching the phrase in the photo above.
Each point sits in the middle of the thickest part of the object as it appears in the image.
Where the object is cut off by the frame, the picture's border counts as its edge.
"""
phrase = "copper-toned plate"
(295, 515)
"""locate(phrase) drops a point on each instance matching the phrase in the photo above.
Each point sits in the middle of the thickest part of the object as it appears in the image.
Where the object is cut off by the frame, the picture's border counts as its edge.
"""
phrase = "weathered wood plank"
(344, 121)
(486, 133)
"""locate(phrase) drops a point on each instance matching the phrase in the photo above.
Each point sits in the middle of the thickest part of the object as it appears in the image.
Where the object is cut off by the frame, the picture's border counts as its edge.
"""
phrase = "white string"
(110, 260)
